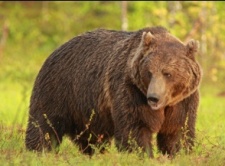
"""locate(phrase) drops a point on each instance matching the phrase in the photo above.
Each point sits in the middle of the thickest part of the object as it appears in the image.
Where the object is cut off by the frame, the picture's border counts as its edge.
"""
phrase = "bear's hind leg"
(85, 148)
(45, 135)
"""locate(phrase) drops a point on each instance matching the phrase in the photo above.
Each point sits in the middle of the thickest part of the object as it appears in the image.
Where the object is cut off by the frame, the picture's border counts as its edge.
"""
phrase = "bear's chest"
(153, 119)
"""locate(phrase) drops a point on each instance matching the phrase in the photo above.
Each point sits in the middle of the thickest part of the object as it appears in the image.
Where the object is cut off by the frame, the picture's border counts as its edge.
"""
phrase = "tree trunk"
(124, 21)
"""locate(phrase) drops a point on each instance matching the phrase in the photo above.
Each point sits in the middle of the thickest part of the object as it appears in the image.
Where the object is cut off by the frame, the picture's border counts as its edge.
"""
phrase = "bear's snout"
(156, 93)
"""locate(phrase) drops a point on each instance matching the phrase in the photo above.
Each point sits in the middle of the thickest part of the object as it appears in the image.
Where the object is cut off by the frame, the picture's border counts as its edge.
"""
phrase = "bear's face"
(165, 80)
(166, 70)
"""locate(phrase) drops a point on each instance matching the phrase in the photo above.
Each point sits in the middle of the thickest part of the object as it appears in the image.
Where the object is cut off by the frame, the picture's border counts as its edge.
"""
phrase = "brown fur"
(136, 84)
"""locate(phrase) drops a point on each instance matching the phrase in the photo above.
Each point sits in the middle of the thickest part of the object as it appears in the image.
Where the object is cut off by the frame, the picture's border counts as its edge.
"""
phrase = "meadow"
(32, 34)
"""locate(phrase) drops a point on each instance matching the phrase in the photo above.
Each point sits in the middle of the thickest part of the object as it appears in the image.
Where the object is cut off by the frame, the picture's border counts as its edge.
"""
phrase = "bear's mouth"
(155, 106)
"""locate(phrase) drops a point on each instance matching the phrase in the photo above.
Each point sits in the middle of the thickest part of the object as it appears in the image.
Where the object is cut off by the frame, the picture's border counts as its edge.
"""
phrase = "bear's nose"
(153, 98)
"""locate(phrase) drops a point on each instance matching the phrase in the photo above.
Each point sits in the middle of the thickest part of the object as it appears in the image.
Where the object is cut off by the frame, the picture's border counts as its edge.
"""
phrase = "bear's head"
(164, 68)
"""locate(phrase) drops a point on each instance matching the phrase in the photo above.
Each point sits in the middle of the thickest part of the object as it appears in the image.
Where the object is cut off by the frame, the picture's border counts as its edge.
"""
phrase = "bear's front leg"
(168, 138)
(131, 139)
(144, 141)
(179, 126)
(133, 119)
(169, 143)
(191, 106)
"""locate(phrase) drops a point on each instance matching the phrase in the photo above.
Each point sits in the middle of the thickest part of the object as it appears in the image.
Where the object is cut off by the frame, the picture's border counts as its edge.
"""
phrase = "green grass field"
(14, 102)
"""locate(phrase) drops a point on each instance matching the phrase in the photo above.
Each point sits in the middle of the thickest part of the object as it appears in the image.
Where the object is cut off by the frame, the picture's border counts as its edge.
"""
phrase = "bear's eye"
(168, 75)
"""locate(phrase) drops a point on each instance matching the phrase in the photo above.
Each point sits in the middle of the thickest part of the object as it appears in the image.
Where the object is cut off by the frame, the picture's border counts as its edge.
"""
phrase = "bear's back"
(73, 75)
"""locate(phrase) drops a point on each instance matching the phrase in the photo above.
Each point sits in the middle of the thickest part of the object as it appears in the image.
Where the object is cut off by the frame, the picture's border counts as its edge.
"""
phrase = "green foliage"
(35, 29)
(30, 31)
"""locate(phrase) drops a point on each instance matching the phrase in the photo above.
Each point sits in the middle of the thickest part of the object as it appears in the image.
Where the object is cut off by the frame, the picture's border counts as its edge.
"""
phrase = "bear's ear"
(192, 46)
(147, 38)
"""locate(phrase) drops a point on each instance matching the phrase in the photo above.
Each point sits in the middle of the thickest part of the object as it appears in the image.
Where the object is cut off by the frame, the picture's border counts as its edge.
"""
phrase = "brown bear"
(108, 84)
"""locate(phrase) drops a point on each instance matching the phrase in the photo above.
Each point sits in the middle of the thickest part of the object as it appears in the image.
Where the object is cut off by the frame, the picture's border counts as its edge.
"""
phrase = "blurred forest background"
(30, 31)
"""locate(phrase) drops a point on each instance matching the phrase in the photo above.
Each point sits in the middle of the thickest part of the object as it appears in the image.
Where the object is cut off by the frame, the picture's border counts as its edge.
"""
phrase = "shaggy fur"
(127, 85)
